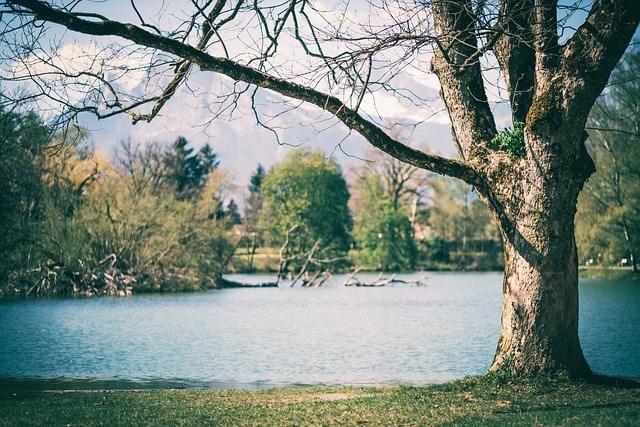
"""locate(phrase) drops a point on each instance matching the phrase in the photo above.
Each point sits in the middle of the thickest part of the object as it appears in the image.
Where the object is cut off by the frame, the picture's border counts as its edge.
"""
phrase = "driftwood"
(103, 278)
(314, 270)
(305, 266)
(317, 280)
(352, 280)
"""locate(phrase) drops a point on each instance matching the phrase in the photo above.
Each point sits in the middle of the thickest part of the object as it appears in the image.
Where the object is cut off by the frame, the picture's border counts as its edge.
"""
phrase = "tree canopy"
(305, 200)
(383, 232)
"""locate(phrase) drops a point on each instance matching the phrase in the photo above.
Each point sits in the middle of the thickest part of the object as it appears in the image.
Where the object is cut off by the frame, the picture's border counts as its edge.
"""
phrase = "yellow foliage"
(65, 165)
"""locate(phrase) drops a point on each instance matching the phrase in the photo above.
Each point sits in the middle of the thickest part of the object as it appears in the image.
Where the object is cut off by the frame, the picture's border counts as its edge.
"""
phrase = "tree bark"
(535, 206)
(539, 331)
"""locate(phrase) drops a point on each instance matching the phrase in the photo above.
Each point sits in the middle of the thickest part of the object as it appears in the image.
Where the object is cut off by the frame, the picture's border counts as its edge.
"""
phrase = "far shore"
(584, 272)
(607, 273)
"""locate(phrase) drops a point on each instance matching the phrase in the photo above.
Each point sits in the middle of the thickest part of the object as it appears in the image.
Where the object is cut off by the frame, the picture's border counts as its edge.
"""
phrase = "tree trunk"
(535, 208)
(539, 330)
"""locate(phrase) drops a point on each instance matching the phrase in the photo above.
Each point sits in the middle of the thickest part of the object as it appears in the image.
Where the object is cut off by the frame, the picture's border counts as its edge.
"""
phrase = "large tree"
(552, 65)
(386, 197)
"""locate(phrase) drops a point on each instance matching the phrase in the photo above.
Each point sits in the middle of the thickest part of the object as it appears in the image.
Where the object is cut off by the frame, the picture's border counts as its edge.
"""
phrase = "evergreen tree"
(187, 172)
(253, 207)
(257, 177)
(253, 204)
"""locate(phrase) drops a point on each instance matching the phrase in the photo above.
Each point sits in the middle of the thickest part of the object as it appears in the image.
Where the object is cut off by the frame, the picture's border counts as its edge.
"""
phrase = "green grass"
(608, 274)
(490, 400)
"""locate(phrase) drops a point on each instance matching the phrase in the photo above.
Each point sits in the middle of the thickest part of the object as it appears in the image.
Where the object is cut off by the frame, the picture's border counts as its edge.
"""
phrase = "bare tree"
(403, 182)
(144, 165)
(553, 67)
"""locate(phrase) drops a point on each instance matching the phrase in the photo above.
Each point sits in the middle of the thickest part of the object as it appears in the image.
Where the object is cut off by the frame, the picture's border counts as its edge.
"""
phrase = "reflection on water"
(273, 337)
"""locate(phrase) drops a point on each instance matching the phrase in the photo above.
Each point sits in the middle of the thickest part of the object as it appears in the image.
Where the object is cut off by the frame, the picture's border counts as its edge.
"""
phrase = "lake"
(283, 337)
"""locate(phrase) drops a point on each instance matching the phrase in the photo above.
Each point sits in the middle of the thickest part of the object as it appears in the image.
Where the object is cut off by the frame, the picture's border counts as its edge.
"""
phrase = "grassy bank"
(472, 401)
(608, 273)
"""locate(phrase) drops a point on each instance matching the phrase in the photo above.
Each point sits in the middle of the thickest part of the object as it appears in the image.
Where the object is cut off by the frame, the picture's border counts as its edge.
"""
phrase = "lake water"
(280, 337)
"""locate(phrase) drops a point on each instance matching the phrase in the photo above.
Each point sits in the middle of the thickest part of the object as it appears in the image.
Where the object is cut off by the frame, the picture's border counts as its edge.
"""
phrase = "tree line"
(158, 217)
(309, 215)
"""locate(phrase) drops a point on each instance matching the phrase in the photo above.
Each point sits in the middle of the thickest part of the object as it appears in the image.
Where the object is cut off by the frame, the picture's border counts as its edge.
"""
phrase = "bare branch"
(239, 72)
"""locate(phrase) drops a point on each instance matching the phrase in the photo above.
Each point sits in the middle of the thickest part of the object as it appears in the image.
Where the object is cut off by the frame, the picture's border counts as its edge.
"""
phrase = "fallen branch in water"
(353, 280)
(103, 278)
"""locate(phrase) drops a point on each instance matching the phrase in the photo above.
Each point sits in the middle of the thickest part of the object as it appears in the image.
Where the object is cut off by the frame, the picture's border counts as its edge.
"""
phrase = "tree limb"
(594, 50)
(515, 53)
(461, 80)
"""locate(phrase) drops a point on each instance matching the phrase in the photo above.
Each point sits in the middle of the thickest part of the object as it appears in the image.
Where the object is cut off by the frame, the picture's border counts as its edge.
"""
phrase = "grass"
(608, 273)
(490, 400)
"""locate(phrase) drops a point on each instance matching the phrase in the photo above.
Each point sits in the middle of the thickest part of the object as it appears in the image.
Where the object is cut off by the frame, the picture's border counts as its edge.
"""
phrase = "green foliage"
(22, 139)
(511, 141)
(435, 250)
(93, 227)
(305, 200)
(230, 212)
(384, 235)
(461, 230)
